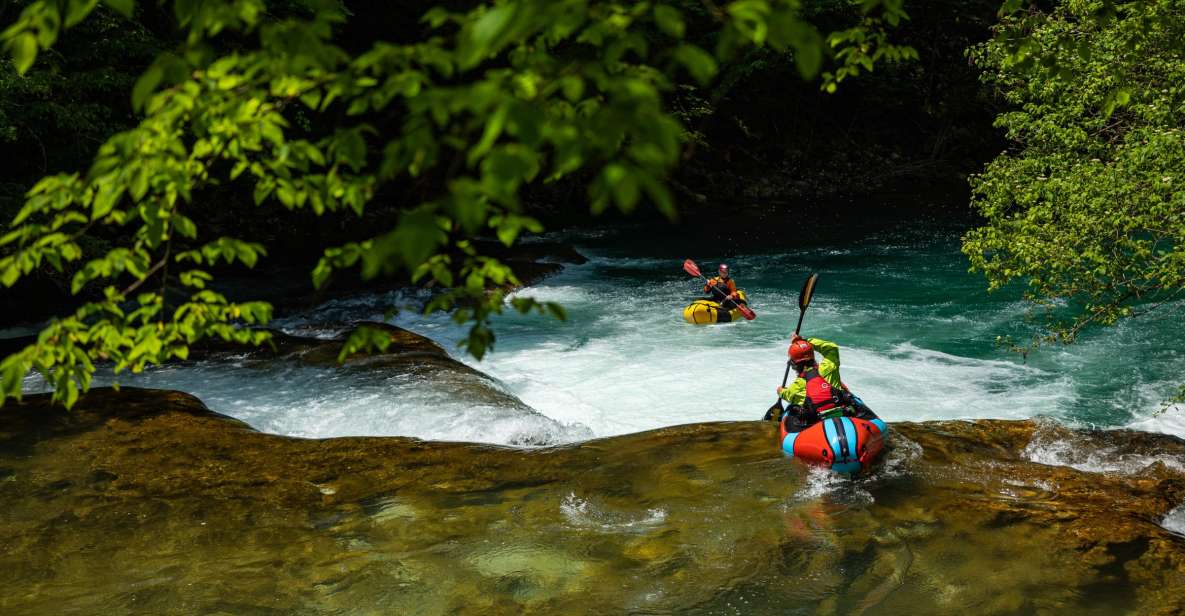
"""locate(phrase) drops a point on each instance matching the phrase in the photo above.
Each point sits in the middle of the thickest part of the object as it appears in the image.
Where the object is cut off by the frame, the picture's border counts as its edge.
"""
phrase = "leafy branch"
(508, 94)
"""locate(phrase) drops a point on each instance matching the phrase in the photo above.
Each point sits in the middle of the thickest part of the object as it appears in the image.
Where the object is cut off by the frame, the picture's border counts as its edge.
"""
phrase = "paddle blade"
(808, 290)
(774, 412)
(747, 312)
(690, 267)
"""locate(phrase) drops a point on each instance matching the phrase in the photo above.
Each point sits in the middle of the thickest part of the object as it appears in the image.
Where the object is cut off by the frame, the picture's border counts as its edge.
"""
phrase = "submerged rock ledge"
(145, 501)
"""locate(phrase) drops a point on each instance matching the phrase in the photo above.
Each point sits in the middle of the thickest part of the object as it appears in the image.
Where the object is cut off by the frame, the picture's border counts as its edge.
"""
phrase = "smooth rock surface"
(144, 501)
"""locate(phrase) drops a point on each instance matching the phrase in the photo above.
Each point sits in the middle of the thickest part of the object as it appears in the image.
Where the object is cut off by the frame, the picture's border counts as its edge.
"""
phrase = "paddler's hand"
(780, 390)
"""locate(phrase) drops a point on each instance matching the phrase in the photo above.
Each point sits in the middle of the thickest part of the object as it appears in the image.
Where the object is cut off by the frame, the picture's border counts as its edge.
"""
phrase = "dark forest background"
(762, 141)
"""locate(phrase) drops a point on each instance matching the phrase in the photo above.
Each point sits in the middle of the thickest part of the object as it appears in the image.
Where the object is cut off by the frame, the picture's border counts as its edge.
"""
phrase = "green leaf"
(123, 7)
(184, 226)
(145, 86)
(12, 374)
(321, 273)
(10, 272)
(1118, 98)
(808, 49)
(71, 395)
(669, 20)
(418, 235)
(350, 148)
(484, 35)
(573, 88)
(493, 128)
(23, 49)
(364, 339)
(512, 164)
(1009, 7)
(622, 184)
(435, 16)
(699, 63)
(77, 10)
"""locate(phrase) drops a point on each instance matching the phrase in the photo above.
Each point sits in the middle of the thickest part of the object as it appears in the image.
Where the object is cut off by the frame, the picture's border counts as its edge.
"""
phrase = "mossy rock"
(154, 504)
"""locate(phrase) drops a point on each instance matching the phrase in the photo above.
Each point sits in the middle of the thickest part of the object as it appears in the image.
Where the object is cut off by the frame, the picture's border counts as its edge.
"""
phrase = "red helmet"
(722, 270)
(801, 351)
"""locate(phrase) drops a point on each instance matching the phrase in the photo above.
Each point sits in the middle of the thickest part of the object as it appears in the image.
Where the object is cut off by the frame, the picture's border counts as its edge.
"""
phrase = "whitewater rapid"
(916, 332)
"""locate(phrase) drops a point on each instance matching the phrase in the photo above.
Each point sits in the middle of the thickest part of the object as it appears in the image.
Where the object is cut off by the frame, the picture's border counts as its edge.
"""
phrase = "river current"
(699, 519)
(917, 333)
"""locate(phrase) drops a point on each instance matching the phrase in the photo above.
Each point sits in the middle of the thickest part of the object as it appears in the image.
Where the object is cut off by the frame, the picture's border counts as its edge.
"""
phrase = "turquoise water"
(917, 333)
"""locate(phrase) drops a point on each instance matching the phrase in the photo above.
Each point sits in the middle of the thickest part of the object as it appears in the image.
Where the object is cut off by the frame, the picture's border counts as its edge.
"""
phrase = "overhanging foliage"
(1088, 207)
(490, 100)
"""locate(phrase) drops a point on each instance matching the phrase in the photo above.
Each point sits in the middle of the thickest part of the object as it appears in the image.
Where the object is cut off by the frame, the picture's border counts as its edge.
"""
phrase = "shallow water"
(107, 511)
(917, 335)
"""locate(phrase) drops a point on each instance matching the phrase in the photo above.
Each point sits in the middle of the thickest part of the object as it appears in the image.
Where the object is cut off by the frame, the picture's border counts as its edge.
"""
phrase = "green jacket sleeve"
(829, 350)
(795, 393)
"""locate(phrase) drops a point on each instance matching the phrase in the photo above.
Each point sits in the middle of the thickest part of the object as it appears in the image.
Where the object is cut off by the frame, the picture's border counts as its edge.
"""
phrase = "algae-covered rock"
(143, 501)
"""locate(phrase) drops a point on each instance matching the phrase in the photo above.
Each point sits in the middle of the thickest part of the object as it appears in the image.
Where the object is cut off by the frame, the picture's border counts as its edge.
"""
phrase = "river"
(917, 333)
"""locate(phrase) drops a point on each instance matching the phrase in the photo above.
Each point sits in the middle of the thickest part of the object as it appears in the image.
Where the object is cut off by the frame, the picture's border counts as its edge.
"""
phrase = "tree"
(1088, 205)
(485, 102)
(53, 117)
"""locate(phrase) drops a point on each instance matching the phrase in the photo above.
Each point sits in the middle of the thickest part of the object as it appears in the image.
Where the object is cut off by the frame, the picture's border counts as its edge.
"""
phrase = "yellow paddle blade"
(808, 289)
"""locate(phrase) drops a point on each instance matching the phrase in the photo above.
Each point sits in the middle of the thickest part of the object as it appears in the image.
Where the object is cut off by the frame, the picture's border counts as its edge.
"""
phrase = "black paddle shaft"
(786, 375)
(804, 300)
(777, 407)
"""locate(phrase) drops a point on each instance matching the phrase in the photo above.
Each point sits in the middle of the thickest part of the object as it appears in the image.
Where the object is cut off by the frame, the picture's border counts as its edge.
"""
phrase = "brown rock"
(143, 501)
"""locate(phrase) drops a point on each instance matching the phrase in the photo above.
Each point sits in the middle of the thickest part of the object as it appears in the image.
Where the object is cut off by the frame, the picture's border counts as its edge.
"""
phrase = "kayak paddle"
(804, 300)
(690, 267)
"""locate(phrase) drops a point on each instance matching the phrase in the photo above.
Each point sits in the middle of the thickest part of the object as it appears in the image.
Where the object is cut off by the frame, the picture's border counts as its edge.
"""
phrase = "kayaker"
(818, 392)
(722, 288)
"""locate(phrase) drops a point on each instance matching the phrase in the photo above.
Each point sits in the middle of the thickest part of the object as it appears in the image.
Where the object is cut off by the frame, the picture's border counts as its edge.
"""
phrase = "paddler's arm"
(829, 350)
(795, 393)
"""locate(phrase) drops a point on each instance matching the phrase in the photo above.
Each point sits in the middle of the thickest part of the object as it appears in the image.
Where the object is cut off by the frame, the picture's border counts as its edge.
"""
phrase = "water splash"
(589, 512)
(1056, 447)
(1174, 521)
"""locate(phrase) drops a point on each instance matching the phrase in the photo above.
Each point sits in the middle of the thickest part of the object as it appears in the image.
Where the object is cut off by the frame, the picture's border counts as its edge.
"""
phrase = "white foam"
(589, 513)
(1174, 521)
(625, 361)
(916, 384)
(1051, 448)
(834, 488)
(914, 348)
(1165, 420)
(634, 381)
(564, 294)
(897, 460)
(285, 398)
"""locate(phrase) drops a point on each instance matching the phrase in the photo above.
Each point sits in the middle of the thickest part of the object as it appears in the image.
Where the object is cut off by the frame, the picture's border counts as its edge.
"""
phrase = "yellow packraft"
(707, 312)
